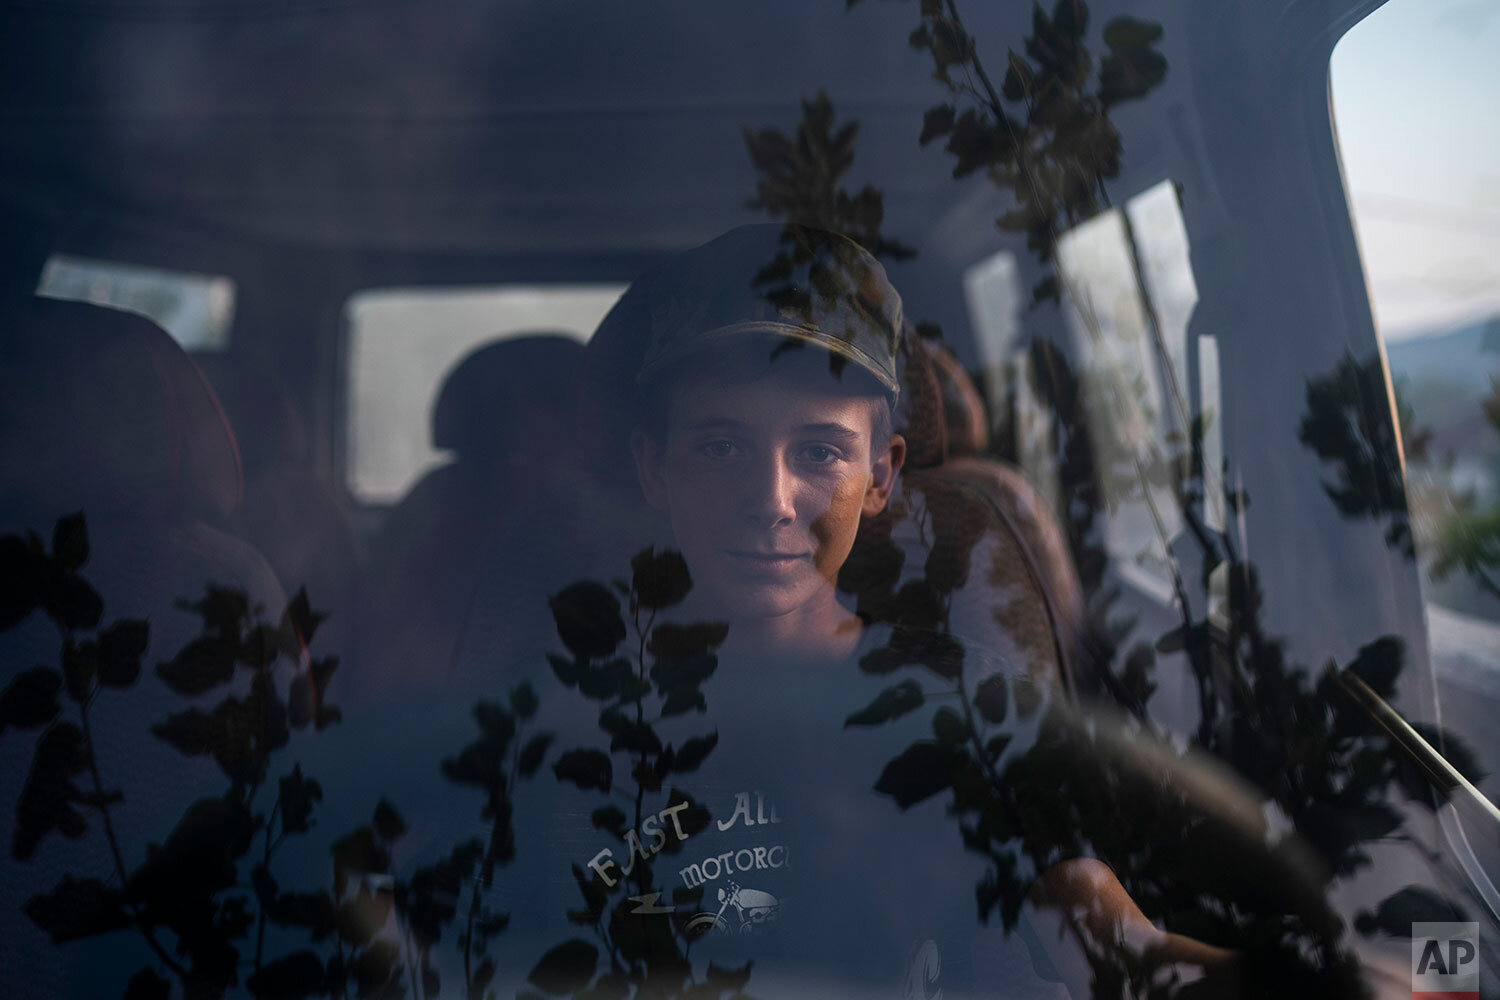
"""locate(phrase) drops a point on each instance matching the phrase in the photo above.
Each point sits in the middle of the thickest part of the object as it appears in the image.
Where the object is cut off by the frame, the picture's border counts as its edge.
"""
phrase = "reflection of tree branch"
(121, 872)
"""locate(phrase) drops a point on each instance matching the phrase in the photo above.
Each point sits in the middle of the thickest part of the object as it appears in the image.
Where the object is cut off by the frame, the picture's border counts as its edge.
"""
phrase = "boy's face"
(765, 472)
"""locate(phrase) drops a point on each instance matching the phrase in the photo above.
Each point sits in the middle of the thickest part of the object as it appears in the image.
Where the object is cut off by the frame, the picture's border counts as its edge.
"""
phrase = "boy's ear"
(883, 470)
(648, 461)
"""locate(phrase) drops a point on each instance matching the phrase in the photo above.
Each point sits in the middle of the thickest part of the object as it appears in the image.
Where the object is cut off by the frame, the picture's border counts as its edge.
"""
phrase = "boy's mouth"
(766, 562)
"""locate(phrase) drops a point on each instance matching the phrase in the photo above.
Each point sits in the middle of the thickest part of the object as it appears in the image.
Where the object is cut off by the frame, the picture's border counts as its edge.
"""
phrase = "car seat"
(505, 413)
(102, 412)
(291, 513)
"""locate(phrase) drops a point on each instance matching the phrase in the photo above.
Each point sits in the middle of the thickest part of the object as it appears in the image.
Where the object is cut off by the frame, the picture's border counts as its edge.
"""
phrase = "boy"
(767, 388)
(769, 426)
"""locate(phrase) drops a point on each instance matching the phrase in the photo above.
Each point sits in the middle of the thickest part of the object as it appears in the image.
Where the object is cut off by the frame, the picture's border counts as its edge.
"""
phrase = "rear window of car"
(403, 342)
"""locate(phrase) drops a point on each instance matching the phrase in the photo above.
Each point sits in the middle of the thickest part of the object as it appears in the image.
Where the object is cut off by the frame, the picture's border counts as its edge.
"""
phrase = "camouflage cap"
(807, 286)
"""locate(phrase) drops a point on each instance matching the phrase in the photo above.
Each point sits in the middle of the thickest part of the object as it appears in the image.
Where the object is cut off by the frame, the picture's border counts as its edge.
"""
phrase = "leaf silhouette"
(70, 541)
(588, 620)
(523, 701)
(200, 666)
(47, 798)
(532, 754)
(299, 622)
(892, 703)
(1414, 904)
(693, 752)
(147, 985)
(993, 698)
(30, 699)
(659, 580)
(921, 771)
(192, 732)
(358, 854)
(121, 647)
(299, 974)
(686, 641)
(22, 567)
(682, 700)
(388, 822)
(611, 680)
(80, 663)
(72, 603)
(565, 968)
(78, 908)
(585, 768)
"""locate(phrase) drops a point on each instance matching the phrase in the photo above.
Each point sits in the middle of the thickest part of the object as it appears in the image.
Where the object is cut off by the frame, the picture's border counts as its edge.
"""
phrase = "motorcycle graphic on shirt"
(751, 908)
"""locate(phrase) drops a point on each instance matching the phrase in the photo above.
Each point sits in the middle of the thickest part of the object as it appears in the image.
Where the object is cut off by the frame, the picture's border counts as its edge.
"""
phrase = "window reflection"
(196, 309)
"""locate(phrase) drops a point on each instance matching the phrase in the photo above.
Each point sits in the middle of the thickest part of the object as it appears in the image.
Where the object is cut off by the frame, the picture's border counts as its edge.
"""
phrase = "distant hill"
(1465, 356)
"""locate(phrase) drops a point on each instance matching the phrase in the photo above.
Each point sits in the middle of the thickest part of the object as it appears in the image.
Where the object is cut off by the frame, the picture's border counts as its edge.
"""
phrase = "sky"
(1415, 93)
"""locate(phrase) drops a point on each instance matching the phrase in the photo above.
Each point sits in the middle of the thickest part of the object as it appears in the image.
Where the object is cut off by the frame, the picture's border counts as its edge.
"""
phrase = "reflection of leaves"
(388, 822)
(992, 698)
(532, 754)
(586, 768)
(523, 701)
(30, 699)
(147, 985)
(609, 818)
(200, 666)
(799, 179)
(628, 734)
(588, 619)
(70, 541)
(78, 908)
(659, 579)
(565, 968)
(892, 703)
(1455, 751)
(693, 752)
(72, 603)
(1379, 663)
(121, 647)
(199, 855)
(299, 974)
(357, 854)
(1045, 136)
(190, 732)
(190, 883)
(47, 798)
(918, 773)
(611, 680)
(22, 564)
(1412, 905)
(1348, 424)
(677, 642)
(1132, 68)
(298, 623)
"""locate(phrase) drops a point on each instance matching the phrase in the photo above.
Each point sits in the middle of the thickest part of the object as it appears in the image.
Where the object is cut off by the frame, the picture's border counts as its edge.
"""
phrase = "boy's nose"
(769, 493)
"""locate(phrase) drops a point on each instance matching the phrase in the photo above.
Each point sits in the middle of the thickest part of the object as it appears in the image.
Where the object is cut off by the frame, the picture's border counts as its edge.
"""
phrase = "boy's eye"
(719, 449)
(819, 454)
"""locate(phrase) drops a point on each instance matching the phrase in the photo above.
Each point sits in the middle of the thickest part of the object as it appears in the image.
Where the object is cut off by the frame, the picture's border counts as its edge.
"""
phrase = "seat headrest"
(919, 415)
(104, 410)
(965, 419)
(507, 387)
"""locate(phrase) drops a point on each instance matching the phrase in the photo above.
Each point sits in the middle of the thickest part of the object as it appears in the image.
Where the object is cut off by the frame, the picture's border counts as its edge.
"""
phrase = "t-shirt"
(774, 859)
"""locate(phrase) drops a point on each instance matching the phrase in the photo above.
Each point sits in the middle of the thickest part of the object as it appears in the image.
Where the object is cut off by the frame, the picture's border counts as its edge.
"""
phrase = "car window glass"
(1428, 218)
(196, 309)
